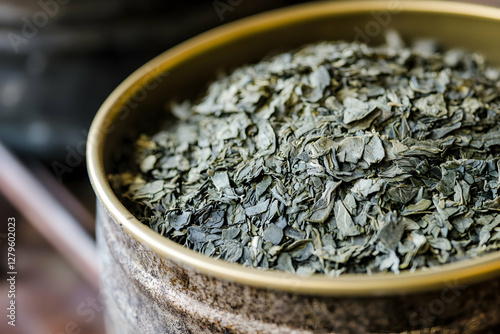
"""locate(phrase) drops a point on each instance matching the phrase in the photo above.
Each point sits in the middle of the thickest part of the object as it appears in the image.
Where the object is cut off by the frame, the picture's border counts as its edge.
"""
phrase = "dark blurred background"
(59, 60)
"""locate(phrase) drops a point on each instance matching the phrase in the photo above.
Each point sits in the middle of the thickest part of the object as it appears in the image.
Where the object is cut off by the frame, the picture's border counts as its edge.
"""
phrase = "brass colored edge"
(360, 285)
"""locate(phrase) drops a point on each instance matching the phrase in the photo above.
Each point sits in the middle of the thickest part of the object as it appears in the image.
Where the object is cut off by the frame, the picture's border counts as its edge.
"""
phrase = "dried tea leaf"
(273, 234)
(178, 219)
(366, 187)
(344, 221)
(148, 163)
(320, 210)
(402, 194)
(391, 233)
(374, 150)
(257, 208)
(351, 149)
(221, 180)
(419, 207)
(333, 158)
(355, 109)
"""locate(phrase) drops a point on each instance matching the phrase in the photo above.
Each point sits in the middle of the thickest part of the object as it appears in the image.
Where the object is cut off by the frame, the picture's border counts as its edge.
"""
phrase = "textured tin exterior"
(149, 294)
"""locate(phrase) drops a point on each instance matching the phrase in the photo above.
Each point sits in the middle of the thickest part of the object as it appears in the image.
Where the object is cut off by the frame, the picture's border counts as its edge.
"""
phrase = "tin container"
(153, 285)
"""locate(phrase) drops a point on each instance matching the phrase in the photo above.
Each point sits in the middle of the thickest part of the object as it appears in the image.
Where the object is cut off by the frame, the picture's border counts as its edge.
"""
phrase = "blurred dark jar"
(154, 285)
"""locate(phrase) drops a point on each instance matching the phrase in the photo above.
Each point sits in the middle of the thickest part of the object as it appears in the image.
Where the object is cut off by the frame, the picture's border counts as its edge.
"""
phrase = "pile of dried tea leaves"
(337, 157)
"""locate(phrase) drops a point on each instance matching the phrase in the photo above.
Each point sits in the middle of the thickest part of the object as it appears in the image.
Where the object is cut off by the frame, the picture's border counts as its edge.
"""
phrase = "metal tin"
(154, 285)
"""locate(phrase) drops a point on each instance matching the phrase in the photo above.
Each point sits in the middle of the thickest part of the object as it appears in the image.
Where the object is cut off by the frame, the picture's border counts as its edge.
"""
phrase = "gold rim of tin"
(462, 272)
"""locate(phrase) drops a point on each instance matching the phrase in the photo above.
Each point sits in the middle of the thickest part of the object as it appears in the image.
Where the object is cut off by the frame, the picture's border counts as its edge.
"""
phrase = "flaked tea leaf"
(221, 180)
(320, 210)
(273, 234)
(391, 233)
(334, 158)
(402, 194)
(351, 149)
(365, 187)
(356, 109)
(344, 221)
(257, 208)
(374, 150)
(419, 207)
(148, 163)
(178, 219)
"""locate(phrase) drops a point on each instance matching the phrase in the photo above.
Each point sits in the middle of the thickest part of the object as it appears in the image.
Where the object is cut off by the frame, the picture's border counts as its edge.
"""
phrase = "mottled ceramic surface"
(148, 294)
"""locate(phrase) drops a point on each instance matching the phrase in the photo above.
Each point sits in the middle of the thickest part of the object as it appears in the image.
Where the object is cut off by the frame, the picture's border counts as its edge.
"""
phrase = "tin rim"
(360, 285)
